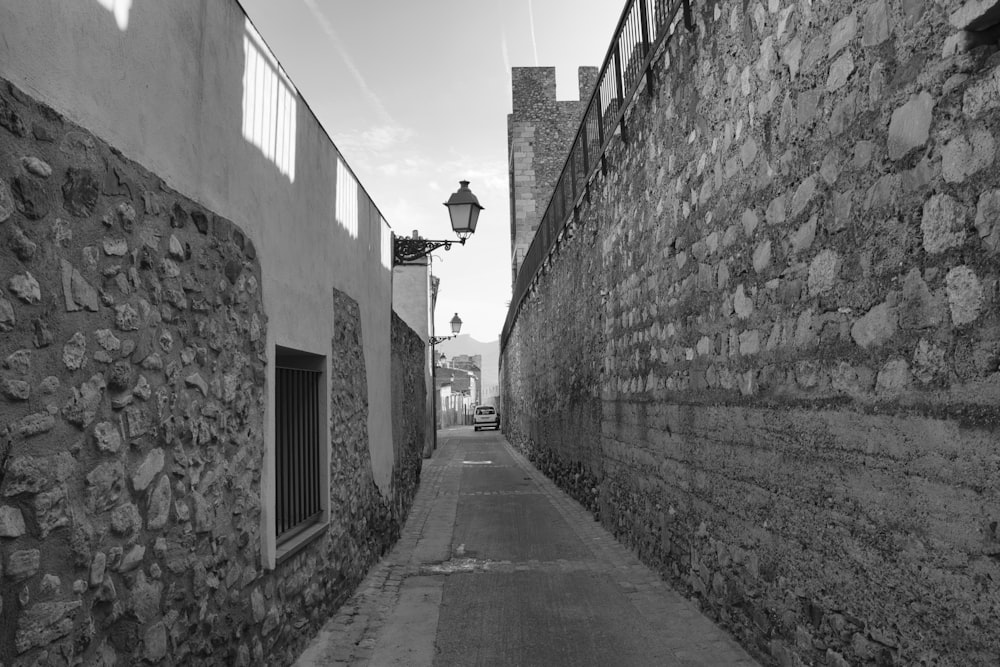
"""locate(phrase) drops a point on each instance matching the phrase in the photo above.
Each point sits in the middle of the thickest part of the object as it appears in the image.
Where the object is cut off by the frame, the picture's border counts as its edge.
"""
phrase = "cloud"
(377, 139)
(531, 23)
(359, 78)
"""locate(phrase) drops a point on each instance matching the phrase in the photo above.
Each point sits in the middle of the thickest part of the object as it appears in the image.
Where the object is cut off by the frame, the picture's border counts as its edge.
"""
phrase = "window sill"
(289, 548)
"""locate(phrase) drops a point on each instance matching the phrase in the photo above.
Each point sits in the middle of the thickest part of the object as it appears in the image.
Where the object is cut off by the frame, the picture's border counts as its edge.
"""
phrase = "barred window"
(298, 420)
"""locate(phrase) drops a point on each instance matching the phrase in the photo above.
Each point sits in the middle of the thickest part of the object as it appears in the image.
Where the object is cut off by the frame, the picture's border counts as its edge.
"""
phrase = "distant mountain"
(466, 344)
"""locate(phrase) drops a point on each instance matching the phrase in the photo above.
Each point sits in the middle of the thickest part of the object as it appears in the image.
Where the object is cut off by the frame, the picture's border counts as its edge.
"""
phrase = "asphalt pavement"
(497, 566)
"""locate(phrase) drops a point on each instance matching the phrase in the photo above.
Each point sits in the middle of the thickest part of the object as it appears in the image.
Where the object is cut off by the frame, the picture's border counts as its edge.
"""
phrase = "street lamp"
(463, 209)
(456, 326)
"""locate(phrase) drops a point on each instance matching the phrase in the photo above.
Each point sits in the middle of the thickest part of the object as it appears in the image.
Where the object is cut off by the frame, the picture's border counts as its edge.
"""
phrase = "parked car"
(486, 416)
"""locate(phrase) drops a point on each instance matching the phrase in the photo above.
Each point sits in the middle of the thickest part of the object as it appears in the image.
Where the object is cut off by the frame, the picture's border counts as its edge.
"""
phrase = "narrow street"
(496, 566)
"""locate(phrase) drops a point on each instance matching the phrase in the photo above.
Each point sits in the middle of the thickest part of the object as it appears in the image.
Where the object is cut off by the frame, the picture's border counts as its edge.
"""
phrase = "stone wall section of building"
(799, 356)
(409, 416)
(540, 130)
(132, 373)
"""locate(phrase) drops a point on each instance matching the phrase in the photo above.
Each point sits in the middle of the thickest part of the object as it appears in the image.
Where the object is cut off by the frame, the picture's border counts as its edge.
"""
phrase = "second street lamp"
(456, 326)
(463, 209)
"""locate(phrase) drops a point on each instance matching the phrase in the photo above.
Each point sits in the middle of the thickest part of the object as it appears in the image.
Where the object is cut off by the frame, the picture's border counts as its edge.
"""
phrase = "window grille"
(297, 452)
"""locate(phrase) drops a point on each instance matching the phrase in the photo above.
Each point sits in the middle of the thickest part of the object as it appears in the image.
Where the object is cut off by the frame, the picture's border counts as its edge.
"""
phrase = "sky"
(415, 94)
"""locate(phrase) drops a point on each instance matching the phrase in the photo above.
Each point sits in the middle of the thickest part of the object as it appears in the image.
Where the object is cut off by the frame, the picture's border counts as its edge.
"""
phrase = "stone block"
(148, 469)
(158, 512)
(982, 96)
(22, 246)
(893, 377)
(762, 256)
(23, 564)
(808, 106)
(918, 308)
(775, 214)
(876, 327)
(965, 295)
(791, 56)
(830, 169)
(82, 408)
(803, 237)
(823, 272)
(803, 195)
(34, 424)
(910, 125)
(942, 224)
(988, 219)
(31, 197)
(25, 287)
(843, 33)
(840, 72)
(11, 522)
(742, 304)
(929, 361)
(7, 206)
(105, 485)
(749, 342)
(97, 569)
(962, 157)
(81, 192)
(15, 390)
(876, 24)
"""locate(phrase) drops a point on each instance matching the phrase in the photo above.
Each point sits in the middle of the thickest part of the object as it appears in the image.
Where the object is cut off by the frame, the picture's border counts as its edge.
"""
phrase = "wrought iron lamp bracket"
(406, 250)
(434, 340)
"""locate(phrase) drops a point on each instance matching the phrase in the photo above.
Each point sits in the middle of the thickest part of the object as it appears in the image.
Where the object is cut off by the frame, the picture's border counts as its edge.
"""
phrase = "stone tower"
(539, 133)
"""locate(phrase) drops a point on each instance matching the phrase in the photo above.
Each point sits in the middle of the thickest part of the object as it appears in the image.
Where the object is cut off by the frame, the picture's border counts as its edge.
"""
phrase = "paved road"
(496, 566)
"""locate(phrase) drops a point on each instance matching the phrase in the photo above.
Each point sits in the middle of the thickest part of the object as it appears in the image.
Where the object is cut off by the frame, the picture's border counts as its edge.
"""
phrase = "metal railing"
(643, 28)
(297, 455)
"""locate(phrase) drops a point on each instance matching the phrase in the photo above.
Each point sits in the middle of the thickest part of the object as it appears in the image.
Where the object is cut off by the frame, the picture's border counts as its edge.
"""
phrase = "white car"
(486, 416)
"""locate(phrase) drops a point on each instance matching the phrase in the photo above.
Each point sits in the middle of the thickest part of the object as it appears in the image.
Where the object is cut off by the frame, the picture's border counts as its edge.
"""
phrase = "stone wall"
(131, 333)
(132, 374)
(409, 415)
(794, 328)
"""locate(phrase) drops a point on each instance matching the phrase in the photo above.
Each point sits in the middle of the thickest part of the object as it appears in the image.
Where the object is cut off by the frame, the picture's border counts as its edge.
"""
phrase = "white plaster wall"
(167, 92)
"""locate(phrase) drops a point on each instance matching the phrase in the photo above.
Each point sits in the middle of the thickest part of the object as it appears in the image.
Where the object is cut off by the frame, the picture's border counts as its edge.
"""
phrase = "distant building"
(472, 363)
(457, 391)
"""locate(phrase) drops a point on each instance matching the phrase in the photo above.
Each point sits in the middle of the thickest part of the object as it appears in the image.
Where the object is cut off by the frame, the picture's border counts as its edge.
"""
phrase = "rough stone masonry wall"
(409, 418)
(131, 414)
(131, 340)
(799, 310)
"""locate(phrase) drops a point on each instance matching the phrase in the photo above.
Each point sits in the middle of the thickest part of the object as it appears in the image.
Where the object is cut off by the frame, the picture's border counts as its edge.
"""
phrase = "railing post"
(644, 31)
(618, 87)
(600, 126)
(572, 172)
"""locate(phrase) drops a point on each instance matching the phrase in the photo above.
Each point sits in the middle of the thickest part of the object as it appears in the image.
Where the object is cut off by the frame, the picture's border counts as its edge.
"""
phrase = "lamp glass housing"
(456, 324)
(463, 208)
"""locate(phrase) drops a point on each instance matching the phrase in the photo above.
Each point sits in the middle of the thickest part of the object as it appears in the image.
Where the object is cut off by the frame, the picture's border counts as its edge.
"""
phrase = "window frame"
(297, 537)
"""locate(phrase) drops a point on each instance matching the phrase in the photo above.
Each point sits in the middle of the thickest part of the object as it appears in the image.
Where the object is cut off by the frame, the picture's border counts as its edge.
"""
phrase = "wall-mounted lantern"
(463, 209)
